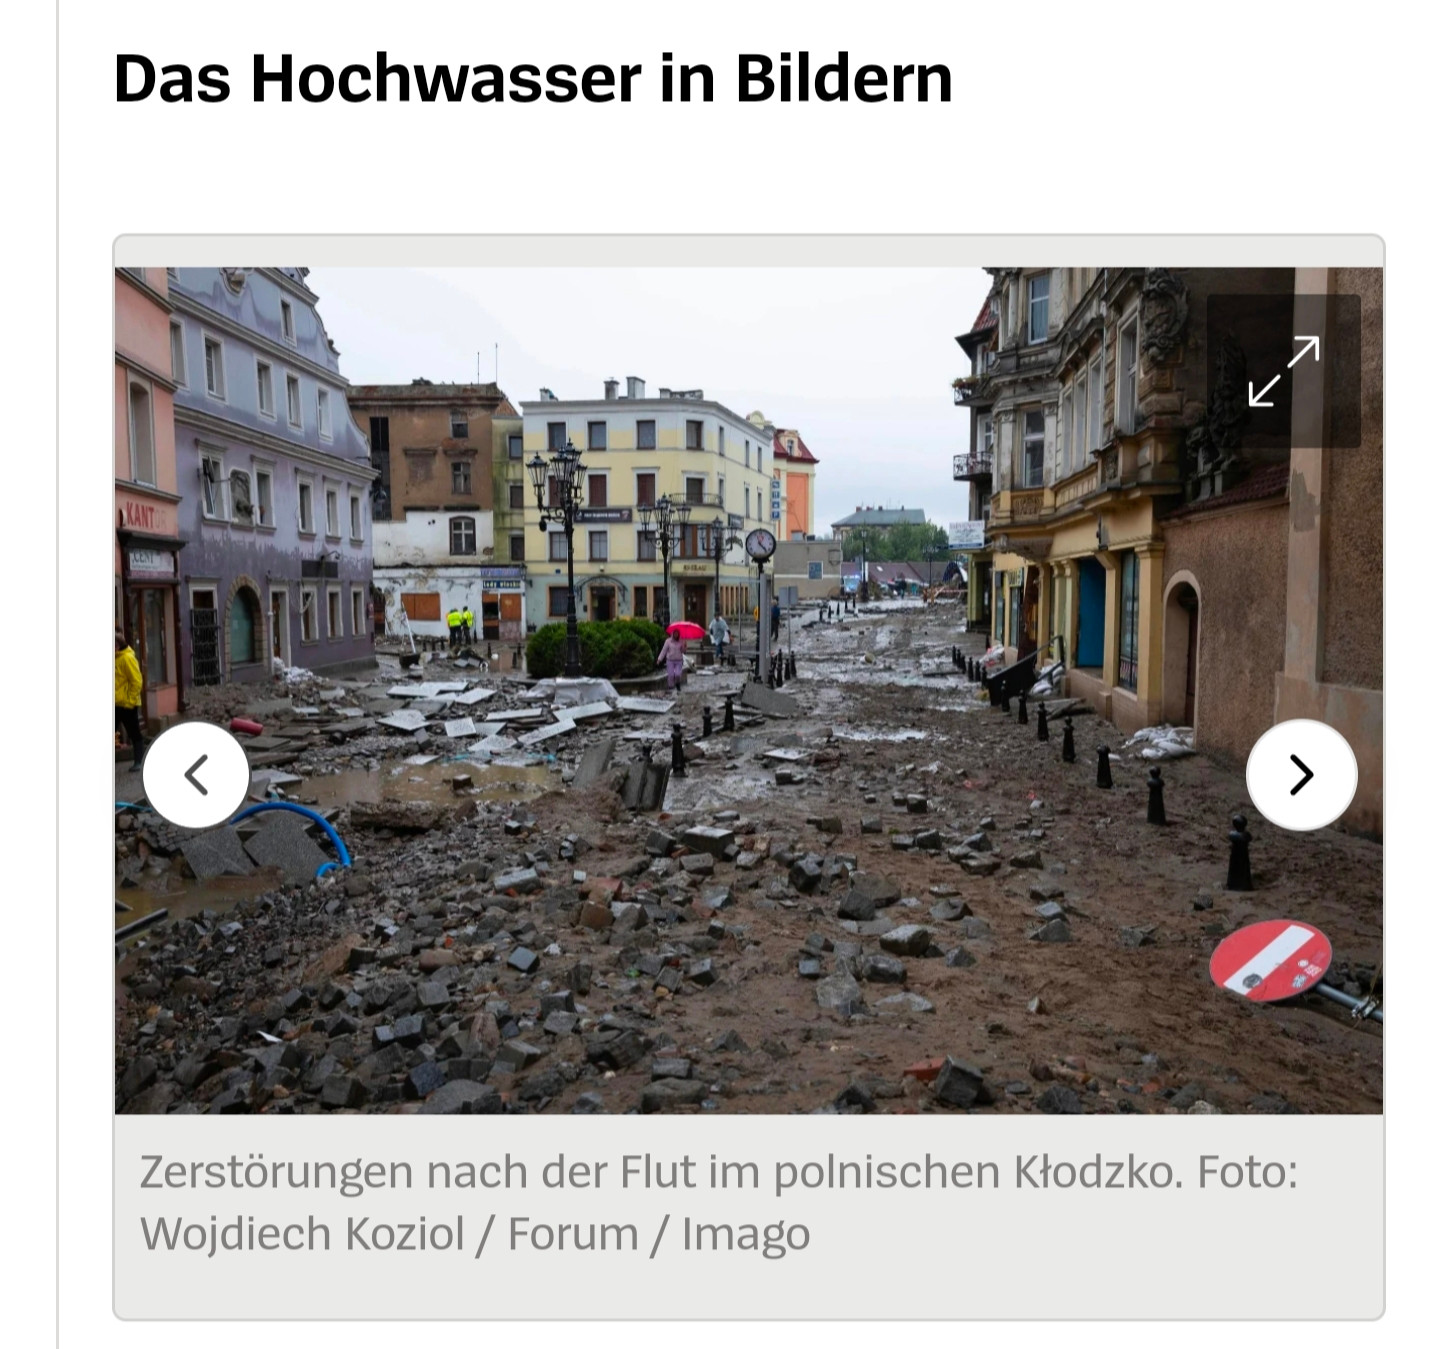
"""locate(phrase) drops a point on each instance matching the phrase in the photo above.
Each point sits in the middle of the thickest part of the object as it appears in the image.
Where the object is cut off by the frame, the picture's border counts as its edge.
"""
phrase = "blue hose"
(129, 805)
(310, 815)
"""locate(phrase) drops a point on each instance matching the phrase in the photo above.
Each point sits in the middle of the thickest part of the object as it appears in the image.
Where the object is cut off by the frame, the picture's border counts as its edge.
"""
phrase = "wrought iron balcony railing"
(971, 466)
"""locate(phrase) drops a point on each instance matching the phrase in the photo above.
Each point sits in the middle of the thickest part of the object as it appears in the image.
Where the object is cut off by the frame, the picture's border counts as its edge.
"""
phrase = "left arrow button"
(193, 780)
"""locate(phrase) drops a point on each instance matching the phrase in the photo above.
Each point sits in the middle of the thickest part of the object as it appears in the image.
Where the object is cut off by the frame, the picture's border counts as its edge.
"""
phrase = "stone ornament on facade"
(1164, 312)
(235, 278)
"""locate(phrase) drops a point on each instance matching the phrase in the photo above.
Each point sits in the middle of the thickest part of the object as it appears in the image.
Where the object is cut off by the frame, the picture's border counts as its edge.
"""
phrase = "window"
(517, 496)
(1127, 397)
(556, 606)
(554, 491)
(460, 477)
(264, 498)
(292, 399)
(264, 389)
(644, 489)
(599, 496)
(214, 368)
(516, 447)
(595, 436)
(644, 435)
(459, 426)
(558, 551)
(720, 441)
(695, 491)
(333, 626)
(322, 412)
(720, 489)
(212, 491)
(357, 610)
(1129, 619)
(462, 536)
(1097, 398)
(599, 545)
(555, 435)
(1034, 449)
(309, 614)
(1067, 422)
(142, 434)
(287, 322)
(307, 508)
(747, 500)
(747, 454)
(694, 435)
(645, 545)
(517, 547)
(355, 532)
(177, 352)
(1082, 417)
(332, 512)
(642, 602)
(1039, 306)
(987, 435)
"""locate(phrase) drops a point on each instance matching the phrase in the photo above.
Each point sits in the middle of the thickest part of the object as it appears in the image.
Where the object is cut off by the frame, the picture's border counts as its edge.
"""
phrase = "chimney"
(634, 387)
(612, 390)
(547, 396)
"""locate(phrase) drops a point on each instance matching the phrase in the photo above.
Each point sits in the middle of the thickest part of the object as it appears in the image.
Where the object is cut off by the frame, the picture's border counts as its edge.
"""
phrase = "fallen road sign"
(1268, 961)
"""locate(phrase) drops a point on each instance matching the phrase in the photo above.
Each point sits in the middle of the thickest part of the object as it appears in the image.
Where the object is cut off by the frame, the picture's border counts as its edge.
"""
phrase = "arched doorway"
(245, 628)
(1181, 675)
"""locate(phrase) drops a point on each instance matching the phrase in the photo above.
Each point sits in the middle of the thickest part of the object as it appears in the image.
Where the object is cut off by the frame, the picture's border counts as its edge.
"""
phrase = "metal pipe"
(140, 924)
(1360, 1008)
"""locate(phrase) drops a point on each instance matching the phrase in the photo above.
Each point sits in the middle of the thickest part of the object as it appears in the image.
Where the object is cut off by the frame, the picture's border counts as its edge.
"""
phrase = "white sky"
(859, 360)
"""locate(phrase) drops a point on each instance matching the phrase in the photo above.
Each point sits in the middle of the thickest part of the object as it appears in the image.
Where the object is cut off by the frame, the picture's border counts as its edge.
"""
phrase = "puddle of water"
(185, 898)
(878, 735)
(429, 782)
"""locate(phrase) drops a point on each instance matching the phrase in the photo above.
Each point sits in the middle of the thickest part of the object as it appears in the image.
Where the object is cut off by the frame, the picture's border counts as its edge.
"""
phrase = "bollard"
(729, 723)
(677, 750)
(790, 672)
(706, 729)
(1155, 808)
(489, 651)
(1102, 768)
(779, 671)
(515, 659)
(1238, 875)
(1042, 724)
(770, 675)
(1022, 717)
(1005, 700)
(1067, 745)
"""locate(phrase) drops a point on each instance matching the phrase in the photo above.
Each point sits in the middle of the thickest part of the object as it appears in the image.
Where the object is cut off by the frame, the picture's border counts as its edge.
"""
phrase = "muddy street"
(874, 872)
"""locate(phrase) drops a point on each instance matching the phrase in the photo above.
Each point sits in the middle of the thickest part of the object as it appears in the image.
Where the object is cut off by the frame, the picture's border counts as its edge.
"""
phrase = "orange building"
(794, 471)
(147, 541)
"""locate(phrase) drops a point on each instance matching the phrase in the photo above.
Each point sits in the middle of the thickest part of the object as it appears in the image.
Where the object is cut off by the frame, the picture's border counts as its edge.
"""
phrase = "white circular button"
(196, 775)
(1302, 775)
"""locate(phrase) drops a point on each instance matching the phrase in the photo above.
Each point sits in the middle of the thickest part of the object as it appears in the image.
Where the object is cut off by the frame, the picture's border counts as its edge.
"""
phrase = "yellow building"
(635, 450)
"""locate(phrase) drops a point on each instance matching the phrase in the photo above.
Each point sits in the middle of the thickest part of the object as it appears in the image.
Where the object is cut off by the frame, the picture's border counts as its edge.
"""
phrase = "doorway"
(280, 624)
(1090, 637)
(246, 634)
(1181, 677)
(695, 603)
(602, 604)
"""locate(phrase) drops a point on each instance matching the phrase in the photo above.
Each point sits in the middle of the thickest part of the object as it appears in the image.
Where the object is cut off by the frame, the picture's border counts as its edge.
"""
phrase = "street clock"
(760, 544)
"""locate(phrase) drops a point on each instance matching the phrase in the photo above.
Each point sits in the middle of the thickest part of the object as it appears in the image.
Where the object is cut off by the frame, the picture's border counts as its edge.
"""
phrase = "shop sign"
(774, 498)
(604, 515)
(967, 534)
(736, 521)
(502, 583)
(690, 568)
(152, 562)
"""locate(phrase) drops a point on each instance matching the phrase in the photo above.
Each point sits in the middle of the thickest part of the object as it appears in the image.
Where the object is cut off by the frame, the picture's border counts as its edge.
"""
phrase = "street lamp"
(564, 471)
(665, 521)
(719, 544)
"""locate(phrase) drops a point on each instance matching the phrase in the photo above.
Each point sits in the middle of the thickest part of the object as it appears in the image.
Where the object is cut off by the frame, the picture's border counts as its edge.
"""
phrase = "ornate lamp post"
(564, 470)
(720, 543)
(665, 521)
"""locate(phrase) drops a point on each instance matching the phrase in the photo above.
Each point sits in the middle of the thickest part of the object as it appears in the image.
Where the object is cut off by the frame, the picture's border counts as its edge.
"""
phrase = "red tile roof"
(800, 454)
(987, 317)
(1270, 480)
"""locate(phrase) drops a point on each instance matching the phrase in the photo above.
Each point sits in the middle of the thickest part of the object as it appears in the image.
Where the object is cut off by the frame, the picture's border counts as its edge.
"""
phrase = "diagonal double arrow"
(1311, 344)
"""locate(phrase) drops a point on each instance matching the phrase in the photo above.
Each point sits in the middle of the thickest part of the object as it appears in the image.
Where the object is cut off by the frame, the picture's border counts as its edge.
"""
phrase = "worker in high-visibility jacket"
(467, 619)
(454, 620)
(129, 687)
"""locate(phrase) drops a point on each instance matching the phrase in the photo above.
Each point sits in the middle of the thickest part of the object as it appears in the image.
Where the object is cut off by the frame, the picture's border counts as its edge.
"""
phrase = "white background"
(1113, 118)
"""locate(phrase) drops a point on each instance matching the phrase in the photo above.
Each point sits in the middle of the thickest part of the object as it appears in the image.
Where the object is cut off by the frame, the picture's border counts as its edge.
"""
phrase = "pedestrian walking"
(672, 657)
(774, 620)
(719, 635)
(129, 686)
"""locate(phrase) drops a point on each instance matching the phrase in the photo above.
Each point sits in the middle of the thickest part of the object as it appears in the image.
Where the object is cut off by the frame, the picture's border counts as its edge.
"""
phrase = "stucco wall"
(1238, 561)
(1354, 545)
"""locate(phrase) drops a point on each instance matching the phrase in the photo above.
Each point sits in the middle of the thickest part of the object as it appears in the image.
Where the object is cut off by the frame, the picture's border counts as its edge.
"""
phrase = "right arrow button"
(1295, 759)
(1301, 774)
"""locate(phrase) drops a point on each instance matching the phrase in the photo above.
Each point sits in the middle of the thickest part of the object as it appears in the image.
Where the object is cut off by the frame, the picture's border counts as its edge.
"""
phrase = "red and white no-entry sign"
(1272, 960)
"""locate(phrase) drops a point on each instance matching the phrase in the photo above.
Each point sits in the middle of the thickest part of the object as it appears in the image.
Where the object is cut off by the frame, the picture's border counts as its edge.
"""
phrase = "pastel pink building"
(147, 541)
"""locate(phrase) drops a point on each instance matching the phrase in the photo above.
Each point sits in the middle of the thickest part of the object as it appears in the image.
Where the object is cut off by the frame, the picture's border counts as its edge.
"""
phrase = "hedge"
(620, 649)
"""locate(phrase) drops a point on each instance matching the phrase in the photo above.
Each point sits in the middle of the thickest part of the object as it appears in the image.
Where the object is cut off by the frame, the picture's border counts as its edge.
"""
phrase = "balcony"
(972, 467)
(965, 388)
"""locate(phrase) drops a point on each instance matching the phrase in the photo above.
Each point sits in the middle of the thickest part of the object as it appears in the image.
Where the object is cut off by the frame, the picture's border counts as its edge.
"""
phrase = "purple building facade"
(273, 478)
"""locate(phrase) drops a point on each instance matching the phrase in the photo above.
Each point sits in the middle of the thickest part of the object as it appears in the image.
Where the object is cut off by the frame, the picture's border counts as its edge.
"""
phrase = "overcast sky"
(859, 360)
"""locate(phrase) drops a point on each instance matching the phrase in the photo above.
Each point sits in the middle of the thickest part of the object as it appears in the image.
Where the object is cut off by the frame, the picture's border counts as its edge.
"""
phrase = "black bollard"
(1042, 724)
(779, 671)
(770, 675)
(729, 723)
(677, 750)
(790, 673)
(515, 659)
(489, 651)
(1155, 809)
(706, 730)
(1102, 768)
(1022, 717)
(1067, 745)
(1238, 875)
(1005, 701)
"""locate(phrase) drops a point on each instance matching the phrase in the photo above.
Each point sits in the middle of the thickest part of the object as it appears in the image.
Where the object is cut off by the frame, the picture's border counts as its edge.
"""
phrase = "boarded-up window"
(420, 606)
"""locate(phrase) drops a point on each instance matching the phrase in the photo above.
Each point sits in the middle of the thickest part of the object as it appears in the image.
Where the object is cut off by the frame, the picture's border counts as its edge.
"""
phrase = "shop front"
(502, 604)
(147, 582)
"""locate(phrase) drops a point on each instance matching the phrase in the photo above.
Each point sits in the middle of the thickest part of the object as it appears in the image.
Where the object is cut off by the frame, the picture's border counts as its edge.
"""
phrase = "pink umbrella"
(686, 631)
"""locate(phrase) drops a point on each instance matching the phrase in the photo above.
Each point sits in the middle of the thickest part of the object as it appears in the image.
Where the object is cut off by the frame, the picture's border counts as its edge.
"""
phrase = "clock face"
(760, 543)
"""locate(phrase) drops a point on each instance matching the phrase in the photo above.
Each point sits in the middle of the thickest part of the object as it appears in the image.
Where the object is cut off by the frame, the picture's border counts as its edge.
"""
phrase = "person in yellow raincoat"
(128, 689)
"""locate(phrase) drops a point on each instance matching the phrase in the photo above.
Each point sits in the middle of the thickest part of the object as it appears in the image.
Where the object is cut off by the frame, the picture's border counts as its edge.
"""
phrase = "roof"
(988, 316)
(881, 516)
(800, 454)
(417, 391)
(1269, 480)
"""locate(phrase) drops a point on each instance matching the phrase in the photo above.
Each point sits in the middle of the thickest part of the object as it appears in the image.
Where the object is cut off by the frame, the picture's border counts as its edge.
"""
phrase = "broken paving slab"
(787, 755)
(474, 696)
(217, 852)
(424, 690)
(584, 711)
(769, 701)
(594, 764)
(651, 706)
(420, 760)
(459, 728)
(290, 849)
(516, 714)
(546, 733)
(407, 719)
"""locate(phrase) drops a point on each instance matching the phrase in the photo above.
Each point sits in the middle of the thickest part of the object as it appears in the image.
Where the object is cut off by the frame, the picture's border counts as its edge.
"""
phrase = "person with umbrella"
(672, 654)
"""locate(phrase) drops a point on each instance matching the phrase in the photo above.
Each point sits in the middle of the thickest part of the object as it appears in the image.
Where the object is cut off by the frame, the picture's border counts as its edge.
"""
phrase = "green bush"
(629, 656)
(622, 649)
